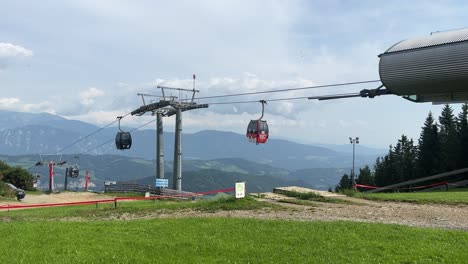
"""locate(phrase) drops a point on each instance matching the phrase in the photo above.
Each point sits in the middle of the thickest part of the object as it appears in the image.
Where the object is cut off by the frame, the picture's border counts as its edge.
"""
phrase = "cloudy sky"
(88, 59)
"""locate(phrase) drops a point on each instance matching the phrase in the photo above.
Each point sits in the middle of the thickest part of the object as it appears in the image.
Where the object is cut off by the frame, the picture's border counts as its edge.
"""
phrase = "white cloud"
(10, 53)
(5, 103)
(87, 98)
(8, 50)
(102, 117)
(15, 104)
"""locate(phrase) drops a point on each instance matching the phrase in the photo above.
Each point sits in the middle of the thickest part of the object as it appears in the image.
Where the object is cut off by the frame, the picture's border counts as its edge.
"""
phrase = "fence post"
(115, 203)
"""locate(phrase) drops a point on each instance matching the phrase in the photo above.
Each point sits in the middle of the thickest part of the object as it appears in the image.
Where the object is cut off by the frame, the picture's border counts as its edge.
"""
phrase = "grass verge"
(452, 197)
(227, 240)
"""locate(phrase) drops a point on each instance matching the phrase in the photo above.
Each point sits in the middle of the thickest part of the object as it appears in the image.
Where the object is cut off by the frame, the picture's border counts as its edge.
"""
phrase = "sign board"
(110, 183)
(240, 189)
(162, 183)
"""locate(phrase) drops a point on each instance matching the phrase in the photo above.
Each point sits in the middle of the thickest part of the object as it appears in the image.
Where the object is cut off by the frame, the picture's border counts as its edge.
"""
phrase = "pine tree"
(462, 131)
(449, 143)
(428, 157)
(365, 176)
(379, 172)
(407, 159)
(389, 172)
(345, 184)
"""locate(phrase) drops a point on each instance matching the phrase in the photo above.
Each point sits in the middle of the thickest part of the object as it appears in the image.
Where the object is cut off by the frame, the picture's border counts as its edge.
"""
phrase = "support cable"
(87, 136)
(290, 89)
(109, 141)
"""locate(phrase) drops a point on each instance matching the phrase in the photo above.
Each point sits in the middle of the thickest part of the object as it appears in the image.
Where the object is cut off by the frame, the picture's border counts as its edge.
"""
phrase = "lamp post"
(353, 141)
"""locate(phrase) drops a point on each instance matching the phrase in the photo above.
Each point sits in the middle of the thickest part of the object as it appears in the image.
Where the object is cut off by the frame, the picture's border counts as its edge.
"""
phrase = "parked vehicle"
(20, 193)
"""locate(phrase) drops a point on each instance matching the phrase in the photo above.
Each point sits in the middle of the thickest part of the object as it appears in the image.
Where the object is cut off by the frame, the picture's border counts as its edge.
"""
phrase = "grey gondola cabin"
(433, 68)
(123, 140)
(74, 171)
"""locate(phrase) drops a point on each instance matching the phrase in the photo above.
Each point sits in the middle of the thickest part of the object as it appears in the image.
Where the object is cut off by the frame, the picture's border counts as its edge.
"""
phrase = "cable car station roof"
(435, 39)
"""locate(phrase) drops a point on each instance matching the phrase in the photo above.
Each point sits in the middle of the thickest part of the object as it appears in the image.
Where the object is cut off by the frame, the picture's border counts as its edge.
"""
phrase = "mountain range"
(211, 159)
(26, 133)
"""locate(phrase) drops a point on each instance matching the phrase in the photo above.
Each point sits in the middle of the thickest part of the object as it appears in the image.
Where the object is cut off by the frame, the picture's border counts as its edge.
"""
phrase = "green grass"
(138, 208)
(452, 197)
(35, 192)
(227, 240)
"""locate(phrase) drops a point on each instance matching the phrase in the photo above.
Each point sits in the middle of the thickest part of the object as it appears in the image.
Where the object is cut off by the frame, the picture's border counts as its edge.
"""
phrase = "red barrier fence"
(115, 200)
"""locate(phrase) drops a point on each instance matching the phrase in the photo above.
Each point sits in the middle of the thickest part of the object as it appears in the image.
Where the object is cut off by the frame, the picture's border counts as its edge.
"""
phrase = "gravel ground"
(434, 216)
(420, 215)
(57, 198)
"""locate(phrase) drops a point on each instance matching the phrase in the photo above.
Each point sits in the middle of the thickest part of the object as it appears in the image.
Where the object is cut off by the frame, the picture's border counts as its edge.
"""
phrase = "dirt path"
(63, 197)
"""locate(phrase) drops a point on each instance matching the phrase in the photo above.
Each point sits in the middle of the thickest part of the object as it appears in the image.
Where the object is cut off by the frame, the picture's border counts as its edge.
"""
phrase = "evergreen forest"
(442, 146)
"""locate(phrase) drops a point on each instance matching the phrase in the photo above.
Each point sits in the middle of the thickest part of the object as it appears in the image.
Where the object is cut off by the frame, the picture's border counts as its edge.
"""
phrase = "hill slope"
(198, 175)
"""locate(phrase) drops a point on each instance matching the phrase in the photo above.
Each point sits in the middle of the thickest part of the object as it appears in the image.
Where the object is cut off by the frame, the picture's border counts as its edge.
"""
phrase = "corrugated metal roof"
(435, 39)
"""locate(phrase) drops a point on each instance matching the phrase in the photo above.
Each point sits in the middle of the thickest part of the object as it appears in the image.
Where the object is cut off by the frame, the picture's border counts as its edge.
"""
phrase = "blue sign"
(162, 183)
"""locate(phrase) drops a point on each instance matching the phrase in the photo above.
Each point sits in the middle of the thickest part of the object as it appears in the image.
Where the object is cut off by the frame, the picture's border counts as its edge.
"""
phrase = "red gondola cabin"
(257, 131)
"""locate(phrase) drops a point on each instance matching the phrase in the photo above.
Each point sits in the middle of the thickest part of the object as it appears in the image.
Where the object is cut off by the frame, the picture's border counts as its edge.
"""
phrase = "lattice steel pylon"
(168, 106)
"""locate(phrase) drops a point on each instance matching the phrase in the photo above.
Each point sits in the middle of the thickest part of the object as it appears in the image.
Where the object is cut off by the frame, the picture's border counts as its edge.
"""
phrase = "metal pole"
(177, 173)
(353, 176)
(159, 146)
(66, 179)
(51, 175)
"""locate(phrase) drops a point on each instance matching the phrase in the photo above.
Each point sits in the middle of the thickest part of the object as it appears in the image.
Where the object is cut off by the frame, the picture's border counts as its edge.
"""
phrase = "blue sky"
(87, 60)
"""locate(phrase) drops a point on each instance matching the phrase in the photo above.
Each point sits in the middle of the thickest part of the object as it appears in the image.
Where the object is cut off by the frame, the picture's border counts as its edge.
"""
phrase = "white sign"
(240, 189)
(162, 183)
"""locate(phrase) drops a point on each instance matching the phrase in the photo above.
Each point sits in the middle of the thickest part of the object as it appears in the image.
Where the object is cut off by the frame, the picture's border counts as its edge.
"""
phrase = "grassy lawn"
(451, 197)
(47, 235)
(226, 240)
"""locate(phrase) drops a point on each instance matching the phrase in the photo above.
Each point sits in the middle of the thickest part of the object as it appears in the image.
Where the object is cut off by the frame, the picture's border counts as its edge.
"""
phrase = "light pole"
(353, 141)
